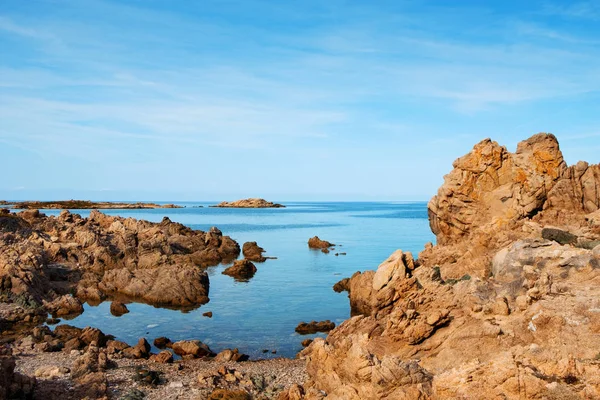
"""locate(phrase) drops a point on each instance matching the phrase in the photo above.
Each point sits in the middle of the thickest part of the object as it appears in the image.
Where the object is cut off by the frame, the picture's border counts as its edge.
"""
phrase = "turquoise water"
(297, 286)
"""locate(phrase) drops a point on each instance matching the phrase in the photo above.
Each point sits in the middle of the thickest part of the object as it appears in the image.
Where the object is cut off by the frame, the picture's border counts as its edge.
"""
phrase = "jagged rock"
(93, 360)
(44, 258)
(249, 203)
(89, 335)
(306, 328)
(117, 308)
(241, 270)
(140, 350)
(192, 348)
(494, 310)
(253, 252)
(316, 243)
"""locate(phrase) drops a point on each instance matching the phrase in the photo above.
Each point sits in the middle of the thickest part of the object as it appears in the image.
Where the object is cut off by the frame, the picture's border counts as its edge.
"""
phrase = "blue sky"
(350, 100)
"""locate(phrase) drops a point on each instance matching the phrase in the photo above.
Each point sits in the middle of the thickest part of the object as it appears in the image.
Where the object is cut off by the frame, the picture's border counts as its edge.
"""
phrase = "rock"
(116, 346)
(249, 203)
(50, 372)
(162, 342)
(117, 308)
(147, 376)
(495, 309)
(73, 344)
(231, 355)
(558, 235)
(305, 328)
(253, 252)
(306, 342)
(316, 243)
(207, 314)
(92, 361)
(342, 286)
(193, 348)
(140, 350)
(64, 305)
(44, 258)
(226, 394)
(66, 332)
(295, 392)
(89, 335)
(164, 357)
(241, 270)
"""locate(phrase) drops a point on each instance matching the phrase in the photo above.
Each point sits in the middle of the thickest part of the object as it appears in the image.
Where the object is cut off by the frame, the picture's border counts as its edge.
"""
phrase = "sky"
(309, 100)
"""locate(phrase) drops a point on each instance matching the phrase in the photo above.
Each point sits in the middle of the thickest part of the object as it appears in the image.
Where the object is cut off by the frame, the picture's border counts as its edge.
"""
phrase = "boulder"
(241, 270)
(164, 357)
(253, 252)
(231, 355)
(193, 348)
(117, 308)
(162, 342)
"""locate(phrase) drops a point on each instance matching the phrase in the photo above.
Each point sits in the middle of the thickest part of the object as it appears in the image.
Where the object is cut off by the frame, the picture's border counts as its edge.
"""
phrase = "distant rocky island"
(249, 203)
(81, 205)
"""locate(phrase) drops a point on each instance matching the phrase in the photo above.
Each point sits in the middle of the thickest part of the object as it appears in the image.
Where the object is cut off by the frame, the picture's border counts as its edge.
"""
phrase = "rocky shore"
(249, 203)
(505, 306)
(81, 205)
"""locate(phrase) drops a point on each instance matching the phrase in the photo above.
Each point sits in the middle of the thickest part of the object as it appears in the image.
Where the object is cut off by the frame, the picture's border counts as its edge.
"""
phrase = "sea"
(259, 317)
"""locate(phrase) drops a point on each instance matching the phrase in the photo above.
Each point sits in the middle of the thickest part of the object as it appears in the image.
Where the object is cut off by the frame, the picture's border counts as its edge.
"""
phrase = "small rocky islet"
(505, 305)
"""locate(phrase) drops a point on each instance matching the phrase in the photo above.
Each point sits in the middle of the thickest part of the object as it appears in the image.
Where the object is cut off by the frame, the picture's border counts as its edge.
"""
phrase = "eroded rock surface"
(43, 259)
(504, 306)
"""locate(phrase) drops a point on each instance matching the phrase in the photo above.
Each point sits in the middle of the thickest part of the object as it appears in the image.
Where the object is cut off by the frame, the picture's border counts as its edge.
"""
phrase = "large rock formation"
(42, 259)
(497, 309)
(249, 203)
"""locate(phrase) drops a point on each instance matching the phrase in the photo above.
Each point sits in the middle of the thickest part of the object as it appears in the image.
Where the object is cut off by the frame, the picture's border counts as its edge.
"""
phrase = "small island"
(249, 203)
(81, 205)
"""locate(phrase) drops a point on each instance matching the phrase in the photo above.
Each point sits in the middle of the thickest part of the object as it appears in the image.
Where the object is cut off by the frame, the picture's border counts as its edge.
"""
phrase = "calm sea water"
(297, 286)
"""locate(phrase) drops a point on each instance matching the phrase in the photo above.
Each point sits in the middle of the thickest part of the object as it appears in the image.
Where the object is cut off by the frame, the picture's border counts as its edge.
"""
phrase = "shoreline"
(82, 205)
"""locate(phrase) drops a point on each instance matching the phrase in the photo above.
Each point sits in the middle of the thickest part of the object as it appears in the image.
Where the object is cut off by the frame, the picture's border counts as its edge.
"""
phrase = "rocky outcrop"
(253, 252)
(249, 203)
(504, 306)
(42, 259)
(241, 270)
(316, 243)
